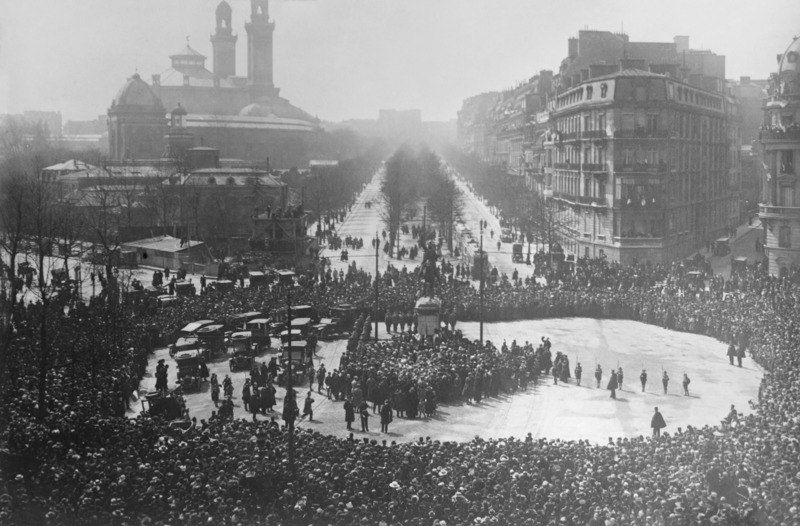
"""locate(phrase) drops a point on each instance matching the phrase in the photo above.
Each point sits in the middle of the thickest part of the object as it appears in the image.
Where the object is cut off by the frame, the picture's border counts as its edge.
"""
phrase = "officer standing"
(619, 377)
(657, 423)
(643, 378)
(665, 381)
(686, 382)
(598, 375)
(578, 372)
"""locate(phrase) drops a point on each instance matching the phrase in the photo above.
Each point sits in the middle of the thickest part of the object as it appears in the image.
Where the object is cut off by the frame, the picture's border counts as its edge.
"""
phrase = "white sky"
(343, 59)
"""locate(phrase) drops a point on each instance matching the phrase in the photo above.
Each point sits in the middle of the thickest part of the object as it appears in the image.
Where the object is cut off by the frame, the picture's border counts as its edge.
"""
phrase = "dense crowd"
(82, 463)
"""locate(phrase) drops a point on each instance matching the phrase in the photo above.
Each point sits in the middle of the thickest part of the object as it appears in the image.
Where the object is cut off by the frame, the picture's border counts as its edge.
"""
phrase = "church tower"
(259, 49)
(224, 43)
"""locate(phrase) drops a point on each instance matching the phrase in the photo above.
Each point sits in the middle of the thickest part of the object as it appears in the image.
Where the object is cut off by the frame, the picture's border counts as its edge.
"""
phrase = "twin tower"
(259, 46)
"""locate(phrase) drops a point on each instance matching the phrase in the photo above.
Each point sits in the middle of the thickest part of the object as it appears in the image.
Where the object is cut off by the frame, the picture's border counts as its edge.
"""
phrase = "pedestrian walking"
(657, 423)
(740, 354)
(363, 410)
(686, 383)
(731, 353)
(386, 416)
(307, 410)
(349, 413)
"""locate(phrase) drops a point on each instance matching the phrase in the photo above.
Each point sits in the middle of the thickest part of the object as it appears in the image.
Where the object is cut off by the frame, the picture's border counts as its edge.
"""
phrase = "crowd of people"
(82, 461)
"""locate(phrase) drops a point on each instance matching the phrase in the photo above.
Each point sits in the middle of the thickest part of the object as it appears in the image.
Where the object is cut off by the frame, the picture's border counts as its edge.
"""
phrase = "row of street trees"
(418, 178)
(536, 218)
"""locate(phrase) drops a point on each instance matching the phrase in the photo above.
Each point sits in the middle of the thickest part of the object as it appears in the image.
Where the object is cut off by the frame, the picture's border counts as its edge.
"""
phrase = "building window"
(784, 237)
(603, 90)
(652, 124)
(589, 90)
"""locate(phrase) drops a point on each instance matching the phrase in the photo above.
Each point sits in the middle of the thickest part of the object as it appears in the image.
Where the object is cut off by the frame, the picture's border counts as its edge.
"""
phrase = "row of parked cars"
(242, 337)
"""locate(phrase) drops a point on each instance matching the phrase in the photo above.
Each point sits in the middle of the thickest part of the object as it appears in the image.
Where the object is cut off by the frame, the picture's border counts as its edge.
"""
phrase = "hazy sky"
(343, 59)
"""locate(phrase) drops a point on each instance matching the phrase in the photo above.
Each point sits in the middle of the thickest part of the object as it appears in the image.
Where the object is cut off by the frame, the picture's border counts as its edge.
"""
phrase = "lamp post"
(289, 393)
(377, 324)
(481, 289)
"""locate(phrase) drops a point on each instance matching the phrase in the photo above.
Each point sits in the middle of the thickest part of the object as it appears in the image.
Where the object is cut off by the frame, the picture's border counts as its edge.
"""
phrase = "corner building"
(780, 137)
(639, 166)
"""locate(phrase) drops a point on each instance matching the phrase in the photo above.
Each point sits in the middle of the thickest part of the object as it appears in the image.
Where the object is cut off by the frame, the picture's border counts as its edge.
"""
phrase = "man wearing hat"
(657, 423)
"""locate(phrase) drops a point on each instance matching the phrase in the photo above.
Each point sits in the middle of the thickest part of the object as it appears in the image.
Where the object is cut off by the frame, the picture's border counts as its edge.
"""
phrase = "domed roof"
(136, 92)
(790, 61)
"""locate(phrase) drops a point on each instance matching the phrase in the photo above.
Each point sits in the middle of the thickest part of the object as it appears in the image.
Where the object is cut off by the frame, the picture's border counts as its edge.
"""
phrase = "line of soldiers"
(615, 382)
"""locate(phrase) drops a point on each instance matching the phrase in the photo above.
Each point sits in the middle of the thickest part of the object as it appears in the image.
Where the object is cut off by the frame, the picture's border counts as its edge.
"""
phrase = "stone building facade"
(780, 138)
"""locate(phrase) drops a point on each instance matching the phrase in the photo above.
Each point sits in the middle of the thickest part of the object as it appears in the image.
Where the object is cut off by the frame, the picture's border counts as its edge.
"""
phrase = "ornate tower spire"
(224, 42)
(259, 49)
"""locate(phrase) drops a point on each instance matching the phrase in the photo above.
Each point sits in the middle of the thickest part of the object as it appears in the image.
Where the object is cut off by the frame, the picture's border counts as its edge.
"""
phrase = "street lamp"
(480, 317)
(377, 324)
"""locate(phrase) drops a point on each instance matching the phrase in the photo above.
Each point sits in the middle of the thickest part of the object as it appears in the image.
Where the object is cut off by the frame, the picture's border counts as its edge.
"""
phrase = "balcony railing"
(776, 212)
(640, 168)
(581, 199)
(594, 134)
(641, 133)
(654, 242)
(776, 134)
(567, 166)
(638, 204)
(594, 167)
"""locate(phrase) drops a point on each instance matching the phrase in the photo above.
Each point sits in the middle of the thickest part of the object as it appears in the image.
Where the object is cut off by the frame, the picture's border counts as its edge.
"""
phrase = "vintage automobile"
(327, 328)
(517, 253)
(260, 329)
(285, 277)
(212, 340)
(259, 279)
(238, 322)
(165, 301)
(221, 285)
(240, 350)
(168, 406)
(296, 334)
(185, 288)
(721, 247)
(738, 264)
(346, 314)
(190, 329)
(188, 362)
(189, 343)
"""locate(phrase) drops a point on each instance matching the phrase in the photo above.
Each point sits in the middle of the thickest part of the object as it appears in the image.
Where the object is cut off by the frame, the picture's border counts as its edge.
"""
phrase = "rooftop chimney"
(681, 43)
